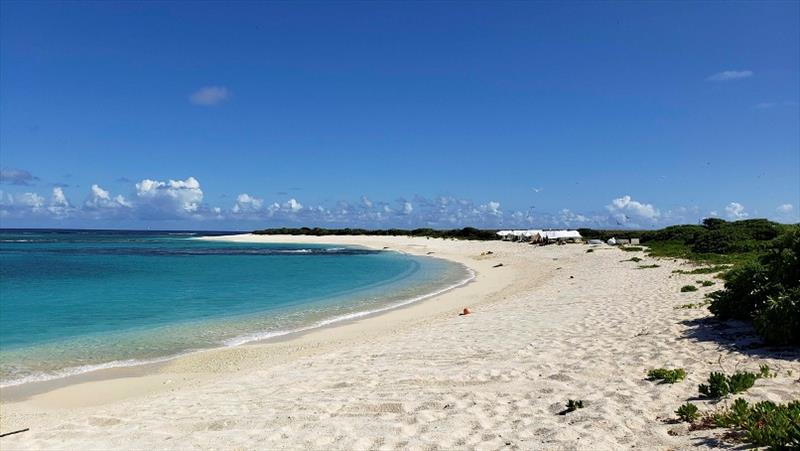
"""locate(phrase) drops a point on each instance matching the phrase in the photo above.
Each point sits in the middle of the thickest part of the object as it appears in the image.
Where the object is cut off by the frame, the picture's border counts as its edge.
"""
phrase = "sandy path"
(552, 324)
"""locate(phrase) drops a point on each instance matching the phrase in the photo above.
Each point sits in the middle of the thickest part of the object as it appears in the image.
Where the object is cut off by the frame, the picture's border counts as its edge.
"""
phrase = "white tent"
(561, 235)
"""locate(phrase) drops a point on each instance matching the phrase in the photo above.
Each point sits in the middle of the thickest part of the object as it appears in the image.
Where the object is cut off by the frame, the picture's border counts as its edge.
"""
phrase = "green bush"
(720, 385)
(687, 412)
(705, 283)
(778, 320)
(764, 423)
(648, 266)
(667, 376)
(631, 248)
(687, 288)
(767, 292)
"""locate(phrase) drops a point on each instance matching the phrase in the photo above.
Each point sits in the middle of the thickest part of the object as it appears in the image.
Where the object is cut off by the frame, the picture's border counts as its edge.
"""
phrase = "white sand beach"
(552, 323)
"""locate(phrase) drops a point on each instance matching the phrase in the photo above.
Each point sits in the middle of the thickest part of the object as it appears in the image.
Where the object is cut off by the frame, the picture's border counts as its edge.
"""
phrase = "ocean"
(74, 300)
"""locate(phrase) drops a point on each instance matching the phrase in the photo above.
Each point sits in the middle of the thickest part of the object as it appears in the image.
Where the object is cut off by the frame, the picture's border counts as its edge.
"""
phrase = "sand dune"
(553, 323)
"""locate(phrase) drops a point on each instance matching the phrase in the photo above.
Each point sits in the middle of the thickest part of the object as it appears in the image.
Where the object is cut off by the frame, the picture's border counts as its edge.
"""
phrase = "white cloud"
(407, 208)
(785, 208)
(624, 208)
(59, 205)
(30, 200)
(365, 200)
(730, 75)
(735, 210)
(209, 95)
(293, 205)
(100, 198)
(492, 208)
(246, 203)
(174, 197)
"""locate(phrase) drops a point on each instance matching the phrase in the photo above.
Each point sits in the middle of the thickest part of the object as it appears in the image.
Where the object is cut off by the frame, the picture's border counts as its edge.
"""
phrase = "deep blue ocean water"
(71, 301)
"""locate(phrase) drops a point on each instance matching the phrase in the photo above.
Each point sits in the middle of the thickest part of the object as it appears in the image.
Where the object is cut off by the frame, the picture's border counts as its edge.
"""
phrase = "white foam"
(260, 336)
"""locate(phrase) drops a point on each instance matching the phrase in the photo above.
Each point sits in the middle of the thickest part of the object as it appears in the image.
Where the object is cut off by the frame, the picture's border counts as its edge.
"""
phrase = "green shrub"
(705, 283)
(778, 320)
(667, 376)
(687, 412)
(631, 248)
(764, 423)
(720, 385)
(573, 405)
(687, 288)
(648, 266)
(767, 292)
(717, 386)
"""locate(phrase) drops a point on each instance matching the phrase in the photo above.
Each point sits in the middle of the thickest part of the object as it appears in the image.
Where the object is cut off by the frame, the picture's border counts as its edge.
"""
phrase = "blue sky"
(242, 115)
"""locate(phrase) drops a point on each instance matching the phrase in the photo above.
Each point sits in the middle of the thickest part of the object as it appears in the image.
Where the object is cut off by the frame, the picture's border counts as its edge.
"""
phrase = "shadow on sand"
(738, 336)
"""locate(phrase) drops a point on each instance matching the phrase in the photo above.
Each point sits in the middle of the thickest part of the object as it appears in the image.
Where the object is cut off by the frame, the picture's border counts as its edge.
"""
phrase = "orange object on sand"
(467, 311)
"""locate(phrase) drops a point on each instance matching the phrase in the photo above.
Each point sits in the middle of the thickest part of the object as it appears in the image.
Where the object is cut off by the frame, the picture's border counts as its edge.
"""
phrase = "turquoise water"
(72, 301)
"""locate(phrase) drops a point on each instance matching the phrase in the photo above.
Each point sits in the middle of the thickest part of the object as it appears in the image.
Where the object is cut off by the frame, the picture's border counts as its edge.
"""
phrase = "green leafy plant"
(667, 376)
(688, 288)
(631, 248)
(705, 283)
(764, 423)
(720, 384)
(688, 412)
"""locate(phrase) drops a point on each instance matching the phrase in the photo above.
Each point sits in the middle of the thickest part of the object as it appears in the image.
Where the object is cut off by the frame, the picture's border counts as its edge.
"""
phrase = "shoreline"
(154, 369)
(552, 323)
(71, 375)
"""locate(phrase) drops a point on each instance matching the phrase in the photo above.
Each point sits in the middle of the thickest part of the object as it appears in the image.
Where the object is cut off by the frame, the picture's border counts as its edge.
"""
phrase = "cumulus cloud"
(293, 205)
(407, 208)
(492, 208)
(16, 177)
(624, 209)
(728, 75)
(171, 198)
(785, 209)
(99, 198)
(735, 210)
(209, 95)
(246, 203)
(59, 205)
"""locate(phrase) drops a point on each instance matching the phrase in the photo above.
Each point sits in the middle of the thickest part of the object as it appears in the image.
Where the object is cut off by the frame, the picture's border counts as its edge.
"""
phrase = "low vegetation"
(766, 291)
(572, 405)
(703, 270)
(688, 288)
(688, 412)
(764, 423)
(720, 384)
(705, 283)
(649, 266)
(667, 376)
(632, 259)
(631, 248)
